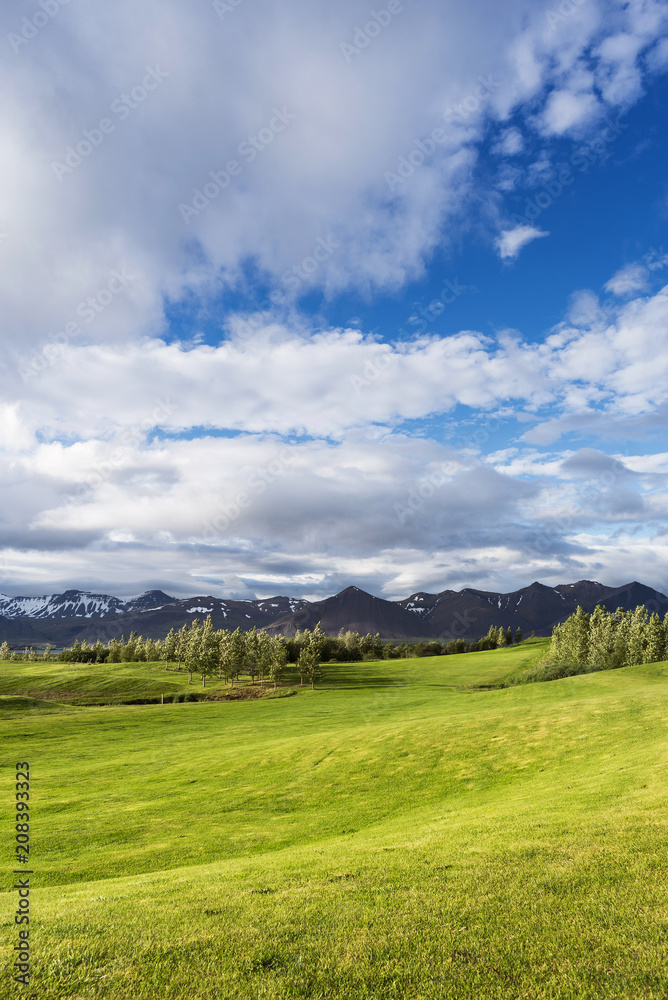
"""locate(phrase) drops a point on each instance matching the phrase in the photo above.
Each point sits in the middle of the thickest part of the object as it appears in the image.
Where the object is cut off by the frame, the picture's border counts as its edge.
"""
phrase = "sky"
(307, 295)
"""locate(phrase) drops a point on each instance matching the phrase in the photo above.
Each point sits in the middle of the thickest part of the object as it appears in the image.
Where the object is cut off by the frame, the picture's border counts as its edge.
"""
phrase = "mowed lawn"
(395, 833)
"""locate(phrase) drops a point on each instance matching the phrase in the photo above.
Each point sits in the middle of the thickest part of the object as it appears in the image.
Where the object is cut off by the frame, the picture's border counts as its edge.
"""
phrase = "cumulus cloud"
(511, 241)
(158, 156)
(657, 57)
(510, 144)
(311, 137)
(598, 364)
(628, 280)
(272, 455)
(567, 111)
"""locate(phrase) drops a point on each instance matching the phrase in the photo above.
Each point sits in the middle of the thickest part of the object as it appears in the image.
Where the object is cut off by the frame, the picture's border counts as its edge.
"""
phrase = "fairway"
(398, 832)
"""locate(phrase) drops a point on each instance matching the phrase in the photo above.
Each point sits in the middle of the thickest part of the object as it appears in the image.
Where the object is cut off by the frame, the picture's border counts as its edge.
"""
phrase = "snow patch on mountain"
(80, 604)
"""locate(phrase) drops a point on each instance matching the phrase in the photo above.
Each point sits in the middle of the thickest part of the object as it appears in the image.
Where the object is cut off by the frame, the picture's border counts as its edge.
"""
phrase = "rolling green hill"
(395, 833)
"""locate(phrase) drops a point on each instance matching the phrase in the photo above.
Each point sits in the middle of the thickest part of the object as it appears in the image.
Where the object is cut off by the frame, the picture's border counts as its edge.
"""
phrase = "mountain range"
(62, 618)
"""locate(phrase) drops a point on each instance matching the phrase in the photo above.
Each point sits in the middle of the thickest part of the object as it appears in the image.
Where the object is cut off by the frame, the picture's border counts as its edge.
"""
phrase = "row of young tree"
(200, 649)
(604, 639)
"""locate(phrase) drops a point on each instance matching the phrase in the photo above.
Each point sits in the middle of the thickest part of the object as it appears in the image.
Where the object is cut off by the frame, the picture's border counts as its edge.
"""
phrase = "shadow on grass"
(355, 675)
(20, 703)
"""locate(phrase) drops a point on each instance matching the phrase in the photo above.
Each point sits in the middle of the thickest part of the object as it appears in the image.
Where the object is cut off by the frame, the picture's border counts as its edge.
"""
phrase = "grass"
(392, 834)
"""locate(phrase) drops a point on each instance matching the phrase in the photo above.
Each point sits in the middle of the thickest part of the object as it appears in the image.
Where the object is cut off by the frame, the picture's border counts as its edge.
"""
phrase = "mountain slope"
(356, 610)
(468, 614)
(79, 604)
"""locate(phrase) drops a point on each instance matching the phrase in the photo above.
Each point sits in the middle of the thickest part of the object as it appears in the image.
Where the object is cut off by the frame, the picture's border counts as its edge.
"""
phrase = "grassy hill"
(393, 834)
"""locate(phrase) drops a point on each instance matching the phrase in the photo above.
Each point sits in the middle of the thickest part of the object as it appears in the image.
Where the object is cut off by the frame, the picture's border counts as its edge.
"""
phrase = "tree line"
(203, 650)
(604, 640)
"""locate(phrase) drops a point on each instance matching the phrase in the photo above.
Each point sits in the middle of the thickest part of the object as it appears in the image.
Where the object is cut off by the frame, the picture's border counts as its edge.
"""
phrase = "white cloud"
(628, 280)
(510, 144)
(511, 241)
(321, 177)
(90, 369)
(257, 502)
(584, 309)
(619, 76)
(607, 362)
(657, 58)
(220, 515)
(567, 111)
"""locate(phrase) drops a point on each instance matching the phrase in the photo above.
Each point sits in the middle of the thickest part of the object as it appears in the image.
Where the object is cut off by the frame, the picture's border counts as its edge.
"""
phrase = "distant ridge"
(79, 604)
(61, 618)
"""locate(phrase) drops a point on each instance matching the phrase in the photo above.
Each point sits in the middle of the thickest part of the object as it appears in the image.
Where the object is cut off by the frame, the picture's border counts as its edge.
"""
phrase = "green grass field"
(395, 833)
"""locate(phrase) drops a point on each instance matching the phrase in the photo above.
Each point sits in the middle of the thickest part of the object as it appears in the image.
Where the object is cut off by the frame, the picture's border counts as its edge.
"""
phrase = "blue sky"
(306, 297)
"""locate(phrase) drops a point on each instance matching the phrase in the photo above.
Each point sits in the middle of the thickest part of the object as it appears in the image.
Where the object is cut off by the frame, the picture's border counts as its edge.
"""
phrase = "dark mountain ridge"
(62, 618)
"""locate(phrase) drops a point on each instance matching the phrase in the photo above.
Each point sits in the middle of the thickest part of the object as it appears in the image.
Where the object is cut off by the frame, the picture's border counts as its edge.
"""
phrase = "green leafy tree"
(151, 651)
(169, 645)
(622, 626)
(192, 652)
(580, 636)
(655, 649)
(251, 653)
(309, 666)
(492, 634)
(236, 654)
(279, 658)
(181, 646)
(368, 647)
(207, 659)
(352, 643)
(115, 651)
(223, 637)
(265, 650)
(637, 638)
(131, 647)
(601, 637)
(603, 640)
(518, 635)
(302, 665)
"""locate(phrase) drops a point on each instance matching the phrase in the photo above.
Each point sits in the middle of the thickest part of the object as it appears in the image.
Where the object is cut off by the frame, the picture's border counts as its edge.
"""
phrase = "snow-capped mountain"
(61, 618)
(80, 604)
